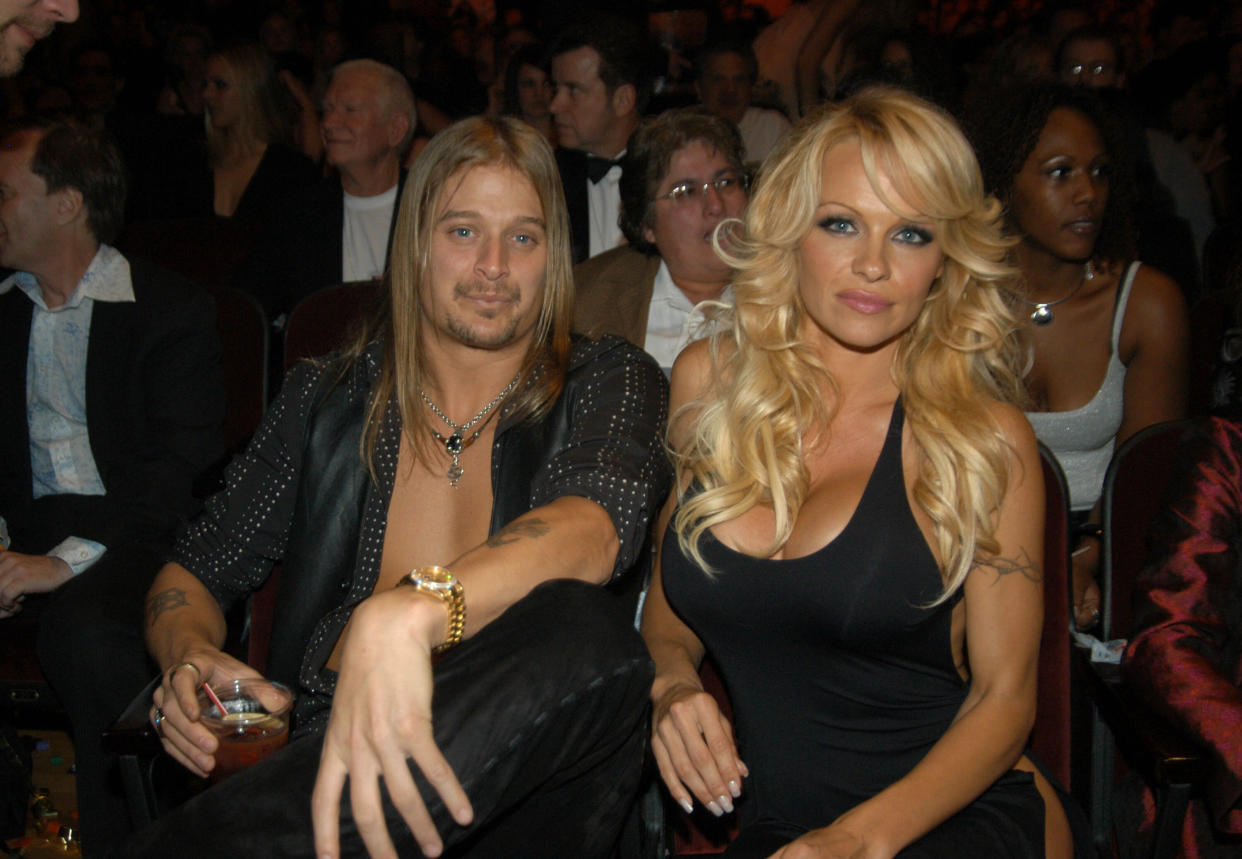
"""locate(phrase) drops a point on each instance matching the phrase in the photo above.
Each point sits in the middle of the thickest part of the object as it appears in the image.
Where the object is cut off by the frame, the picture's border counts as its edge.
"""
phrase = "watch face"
(433, 578)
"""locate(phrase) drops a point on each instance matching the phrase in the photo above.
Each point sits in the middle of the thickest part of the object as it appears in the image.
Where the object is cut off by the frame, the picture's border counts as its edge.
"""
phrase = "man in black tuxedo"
(110, 404)
(599, 68)
(341, 229)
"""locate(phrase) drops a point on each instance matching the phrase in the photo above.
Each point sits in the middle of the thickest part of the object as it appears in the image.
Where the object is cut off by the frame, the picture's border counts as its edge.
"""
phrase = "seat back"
(206, 250)
(242, 327)
(1050, 737)
(1133, 487)
(322, 322)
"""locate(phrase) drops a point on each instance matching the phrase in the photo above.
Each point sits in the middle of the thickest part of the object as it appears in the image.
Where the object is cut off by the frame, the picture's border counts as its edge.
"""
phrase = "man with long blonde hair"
(459, 483)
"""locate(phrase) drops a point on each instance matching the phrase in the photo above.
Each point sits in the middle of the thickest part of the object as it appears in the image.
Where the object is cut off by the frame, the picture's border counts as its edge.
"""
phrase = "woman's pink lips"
(864, 301)
(1084, 227)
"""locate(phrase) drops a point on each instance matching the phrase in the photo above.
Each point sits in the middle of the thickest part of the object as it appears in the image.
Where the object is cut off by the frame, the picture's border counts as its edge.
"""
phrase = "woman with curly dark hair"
(1108, 336)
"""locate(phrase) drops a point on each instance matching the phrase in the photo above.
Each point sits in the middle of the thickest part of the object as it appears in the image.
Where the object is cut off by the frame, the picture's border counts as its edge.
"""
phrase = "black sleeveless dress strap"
(840, 675)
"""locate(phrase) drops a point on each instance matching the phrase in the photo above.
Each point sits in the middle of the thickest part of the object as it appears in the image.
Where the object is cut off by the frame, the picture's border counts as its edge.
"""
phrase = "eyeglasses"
(1078, 70)
(691, 193)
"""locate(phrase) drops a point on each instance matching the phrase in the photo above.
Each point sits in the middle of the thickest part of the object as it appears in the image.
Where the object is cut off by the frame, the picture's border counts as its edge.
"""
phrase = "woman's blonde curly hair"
(745, 446)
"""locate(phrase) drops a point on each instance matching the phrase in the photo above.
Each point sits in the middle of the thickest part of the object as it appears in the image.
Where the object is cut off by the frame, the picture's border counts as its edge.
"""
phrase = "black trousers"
(542, 716)
(92, 652)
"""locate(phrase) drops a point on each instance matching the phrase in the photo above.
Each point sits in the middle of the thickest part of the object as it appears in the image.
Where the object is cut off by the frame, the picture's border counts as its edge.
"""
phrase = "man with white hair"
(24, 22)
(340, 230)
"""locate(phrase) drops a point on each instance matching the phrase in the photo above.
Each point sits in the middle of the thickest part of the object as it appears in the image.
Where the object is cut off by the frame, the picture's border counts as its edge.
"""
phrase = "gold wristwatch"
(444, 586)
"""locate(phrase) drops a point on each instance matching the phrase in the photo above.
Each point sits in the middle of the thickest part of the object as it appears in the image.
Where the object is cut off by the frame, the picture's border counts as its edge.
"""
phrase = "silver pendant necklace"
(1042, 314)
(455, 443)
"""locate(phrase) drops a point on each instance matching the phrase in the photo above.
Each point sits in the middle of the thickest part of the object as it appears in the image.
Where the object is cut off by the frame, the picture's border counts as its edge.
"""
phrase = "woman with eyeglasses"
(1108, 335)
(682, 176)
(856, 535)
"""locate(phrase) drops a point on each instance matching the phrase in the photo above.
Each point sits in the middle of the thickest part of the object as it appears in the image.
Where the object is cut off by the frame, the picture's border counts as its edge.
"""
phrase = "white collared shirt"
(61, 462)
(673, 322)
(603, 209)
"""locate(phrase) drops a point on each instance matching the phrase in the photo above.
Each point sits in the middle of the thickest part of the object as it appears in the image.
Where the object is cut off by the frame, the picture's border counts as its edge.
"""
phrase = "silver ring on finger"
(157, 720)
(181, 665)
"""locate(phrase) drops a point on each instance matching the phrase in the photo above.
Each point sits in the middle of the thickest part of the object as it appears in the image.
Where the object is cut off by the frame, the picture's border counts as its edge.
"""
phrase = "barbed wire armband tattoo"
(164, 601)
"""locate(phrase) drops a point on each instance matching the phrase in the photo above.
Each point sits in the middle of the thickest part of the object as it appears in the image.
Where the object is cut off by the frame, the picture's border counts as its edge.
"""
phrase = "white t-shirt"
(364, 236)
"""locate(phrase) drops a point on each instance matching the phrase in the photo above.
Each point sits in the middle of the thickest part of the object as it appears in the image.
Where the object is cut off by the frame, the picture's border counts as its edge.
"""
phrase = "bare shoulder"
(693, 372)
(1017, 432)
(693, 375)
(1156, 314)
(1013, 424)
(1153, 289)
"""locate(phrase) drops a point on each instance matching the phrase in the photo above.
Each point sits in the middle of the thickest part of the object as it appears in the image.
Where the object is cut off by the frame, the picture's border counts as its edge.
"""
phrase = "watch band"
(446, 587)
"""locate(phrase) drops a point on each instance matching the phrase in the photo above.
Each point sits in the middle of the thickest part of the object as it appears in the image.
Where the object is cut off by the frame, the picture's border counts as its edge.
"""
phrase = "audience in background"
(339, 230)
(727, 75)
(528, 90)
(1108, 335)
(682, 177)
(599, 69)
(217, 136)
(112, 406)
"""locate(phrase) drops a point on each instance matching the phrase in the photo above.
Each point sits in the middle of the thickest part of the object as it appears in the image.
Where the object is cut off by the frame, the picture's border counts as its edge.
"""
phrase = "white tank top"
(1083, 438)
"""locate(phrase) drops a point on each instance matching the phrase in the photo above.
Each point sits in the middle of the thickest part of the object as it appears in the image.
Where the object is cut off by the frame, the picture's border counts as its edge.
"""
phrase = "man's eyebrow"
(453, 214)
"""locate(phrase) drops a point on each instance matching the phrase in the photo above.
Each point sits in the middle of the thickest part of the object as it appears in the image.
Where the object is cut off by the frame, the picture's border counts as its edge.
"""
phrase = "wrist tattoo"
(1022, 565)
(534, 528)
(164, 601)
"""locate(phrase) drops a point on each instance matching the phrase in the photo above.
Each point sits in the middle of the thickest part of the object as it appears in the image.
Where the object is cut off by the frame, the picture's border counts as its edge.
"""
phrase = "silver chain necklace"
(1042, 314)
(457, 442)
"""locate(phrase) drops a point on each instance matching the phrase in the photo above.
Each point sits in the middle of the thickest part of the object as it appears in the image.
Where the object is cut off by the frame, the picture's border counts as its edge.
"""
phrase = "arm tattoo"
(1022, 565)
(164, 601)
(533, 528)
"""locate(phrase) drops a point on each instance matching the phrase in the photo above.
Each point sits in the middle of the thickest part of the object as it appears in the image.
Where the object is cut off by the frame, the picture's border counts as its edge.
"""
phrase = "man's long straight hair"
(474, 142)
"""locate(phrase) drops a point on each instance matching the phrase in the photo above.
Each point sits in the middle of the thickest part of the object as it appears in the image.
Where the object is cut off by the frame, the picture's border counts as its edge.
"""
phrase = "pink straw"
(214, 699)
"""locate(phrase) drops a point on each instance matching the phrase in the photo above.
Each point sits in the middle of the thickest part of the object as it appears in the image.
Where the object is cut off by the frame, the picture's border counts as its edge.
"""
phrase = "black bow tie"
(597, 168)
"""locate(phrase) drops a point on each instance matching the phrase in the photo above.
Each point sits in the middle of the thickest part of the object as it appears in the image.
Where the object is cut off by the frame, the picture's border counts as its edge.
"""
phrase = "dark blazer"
(573, 169)
(154, 403)
(612, 294)
(301, 251)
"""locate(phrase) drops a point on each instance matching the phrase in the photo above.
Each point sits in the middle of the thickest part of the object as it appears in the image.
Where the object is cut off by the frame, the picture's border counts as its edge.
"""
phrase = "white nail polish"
(688, 806)
(734, 789)
(725, 803)
(714, 809)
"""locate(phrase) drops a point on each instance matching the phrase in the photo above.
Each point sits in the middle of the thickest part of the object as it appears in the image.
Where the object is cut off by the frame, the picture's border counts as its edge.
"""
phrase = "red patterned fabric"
(1185, 656)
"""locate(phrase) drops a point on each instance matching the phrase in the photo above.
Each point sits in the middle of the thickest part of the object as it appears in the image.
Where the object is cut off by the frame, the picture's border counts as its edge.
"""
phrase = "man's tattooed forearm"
(532, 527)
(1022, 565)
(164, 601)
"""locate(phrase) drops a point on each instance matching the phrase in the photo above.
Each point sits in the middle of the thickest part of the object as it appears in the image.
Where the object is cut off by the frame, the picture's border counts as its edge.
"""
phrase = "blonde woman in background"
(856, 536)
(250, 116)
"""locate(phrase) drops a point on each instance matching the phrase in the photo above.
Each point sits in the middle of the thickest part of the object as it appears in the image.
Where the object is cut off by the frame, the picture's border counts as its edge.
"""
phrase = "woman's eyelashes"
(907, 234)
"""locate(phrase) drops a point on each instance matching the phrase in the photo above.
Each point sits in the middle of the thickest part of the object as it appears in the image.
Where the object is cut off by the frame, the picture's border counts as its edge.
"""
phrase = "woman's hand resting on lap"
(694, 749)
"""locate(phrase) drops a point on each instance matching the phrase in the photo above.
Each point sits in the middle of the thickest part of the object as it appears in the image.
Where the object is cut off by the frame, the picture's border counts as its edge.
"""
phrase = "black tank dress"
(840, 678)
